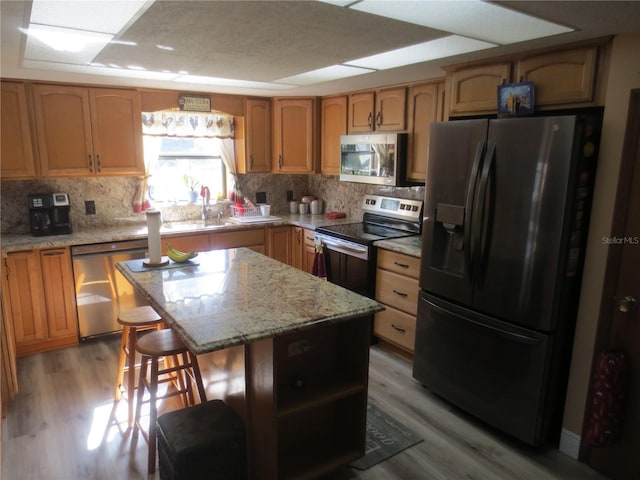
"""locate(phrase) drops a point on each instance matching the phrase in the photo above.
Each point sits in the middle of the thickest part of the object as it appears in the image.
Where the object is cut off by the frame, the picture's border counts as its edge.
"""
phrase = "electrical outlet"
(289, 195)
(261, 197)
(90, 207)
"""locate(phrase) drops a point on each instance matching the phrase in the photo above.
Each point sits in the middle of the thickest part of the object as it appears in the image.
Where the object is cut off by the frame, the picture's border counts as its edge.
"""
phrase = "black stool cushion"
(205, 441)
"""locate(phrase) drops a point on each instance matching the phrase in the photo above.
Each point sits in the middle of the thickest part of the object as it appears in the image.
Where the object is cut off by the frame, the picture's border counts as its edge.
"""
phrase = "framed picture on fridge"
(515, 99)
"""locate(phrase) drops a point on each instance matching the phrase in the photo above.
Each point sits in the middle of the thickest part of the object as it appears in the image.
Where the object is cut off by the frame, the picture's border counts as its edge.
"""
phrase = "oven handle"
(343, 247)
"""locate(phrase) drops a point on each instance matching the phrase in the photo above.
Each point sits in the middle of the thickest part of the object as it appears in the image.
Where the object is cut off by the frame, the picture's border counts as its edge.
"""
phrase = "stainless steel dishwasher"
(101, 290)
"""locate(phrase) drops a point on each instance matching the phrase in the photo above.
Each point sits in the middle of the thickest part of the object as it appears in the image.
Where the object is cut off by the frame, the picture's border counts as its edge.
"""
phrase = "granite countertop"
(407, 245)
(237, 296)
(12, 242)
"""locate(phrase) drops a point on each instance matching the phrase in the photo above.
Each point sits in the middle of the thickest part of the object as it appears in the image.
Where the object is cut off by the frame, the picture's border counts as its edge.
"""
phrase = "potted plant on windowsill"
(192, 184)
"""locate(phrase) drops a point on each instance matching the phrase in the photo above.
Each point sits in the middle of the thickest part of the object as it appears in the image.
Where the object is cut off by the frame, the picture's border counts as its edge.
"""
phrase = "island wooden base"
(306, 399)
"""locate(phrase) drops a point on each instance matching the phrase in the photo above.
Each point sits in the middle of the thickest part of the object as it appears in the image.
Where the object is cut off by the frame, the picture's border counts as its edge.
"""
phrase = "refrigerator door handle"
(469, 211)
(512, 336)
(483, 212)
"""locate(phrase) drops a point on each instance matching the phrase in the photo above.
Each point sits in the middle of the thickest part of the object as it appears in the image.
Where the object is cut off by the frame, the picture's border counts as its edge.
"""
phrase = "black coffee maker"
(49, 214)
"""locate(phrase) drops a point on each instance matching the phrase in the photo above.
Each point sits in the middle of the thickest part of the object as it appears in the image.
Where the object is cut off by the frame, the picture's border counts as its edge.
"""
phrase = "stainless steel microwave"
(377, 158)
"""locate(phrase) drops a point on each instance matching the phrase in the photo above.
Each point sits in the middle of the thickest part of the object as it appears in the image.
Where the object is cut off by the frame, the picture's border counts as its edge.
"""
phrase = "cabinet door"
(258, 135)
(60, 293)
(474, 90)
(297, 247)
(309, 250)
(17, 150)
(360, 114)
(561, 77)
(199, 243)
(63, 123)
(117, 131)
(279, 244)
(424, 101)
(391, 109)
(243, 238)
(27, 298)
(333, 125)
(294, 139)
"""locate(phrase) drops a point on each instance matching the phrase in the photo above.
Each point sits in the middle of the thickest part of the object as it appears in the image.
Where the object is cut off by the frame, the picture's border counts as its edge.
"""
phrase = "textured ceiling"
(268, 40)
(261, 41)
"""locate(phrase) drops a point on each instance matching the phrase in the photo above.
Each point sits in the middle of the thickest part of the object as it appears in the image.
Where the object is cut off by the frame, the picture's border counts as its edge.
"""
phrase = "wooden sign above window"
(194, 103)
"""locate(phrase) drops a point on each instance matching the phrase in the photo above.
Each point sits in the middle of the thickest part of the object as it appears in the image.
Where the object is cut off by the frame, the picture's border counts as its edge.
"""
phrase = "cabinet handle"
(402, 294)
(370, 120)
(403, 265)
(298, 233)
(402, 330)
(251, 161)
(90, 163)
(99, 165)
(379, 119)
(280, 161)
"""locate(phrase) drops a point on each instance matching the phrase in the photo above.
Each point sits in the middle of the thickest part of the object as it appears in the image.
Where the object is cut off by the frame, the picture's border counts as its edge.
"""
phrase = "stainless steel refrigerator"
(506, 213)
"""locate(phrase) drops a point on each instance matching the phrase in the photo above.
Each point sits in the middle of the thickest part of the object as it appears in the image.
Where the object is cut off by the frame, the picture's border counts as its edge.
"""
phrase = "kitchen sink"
(193, 225)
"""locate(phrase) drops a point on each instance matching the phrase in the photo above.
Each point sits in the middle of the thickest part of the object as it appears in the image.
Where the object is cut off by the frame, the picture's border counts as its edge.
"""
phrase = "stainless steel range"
(350, 255)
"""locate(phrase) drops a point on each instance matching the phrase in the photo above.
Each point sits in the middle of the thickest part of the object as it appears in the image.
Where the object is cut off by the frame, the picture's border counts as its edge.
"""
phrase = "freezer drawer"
(493, 370)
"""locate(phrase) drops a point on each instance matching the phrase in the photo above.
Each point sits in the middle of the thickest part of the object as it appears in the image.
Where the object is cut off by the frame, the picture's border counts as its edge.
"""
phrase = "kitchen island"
(306, 352)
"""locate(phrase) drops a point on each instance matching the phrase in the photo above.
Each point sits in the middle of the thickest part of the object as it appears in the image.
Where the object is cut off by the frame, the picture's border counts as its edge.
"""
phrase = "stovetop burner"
(363, 233)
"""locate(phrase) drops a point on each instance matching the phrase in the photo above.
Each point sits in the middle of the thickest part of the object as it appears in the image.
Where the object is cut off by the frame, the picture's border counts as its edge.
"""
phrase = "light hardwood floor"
(57, 428)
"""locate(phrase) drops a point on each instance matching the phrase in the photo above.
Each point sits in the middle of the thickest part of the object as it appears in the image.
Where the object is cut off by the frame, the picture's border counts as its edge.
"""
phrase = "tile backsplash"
(113, 197)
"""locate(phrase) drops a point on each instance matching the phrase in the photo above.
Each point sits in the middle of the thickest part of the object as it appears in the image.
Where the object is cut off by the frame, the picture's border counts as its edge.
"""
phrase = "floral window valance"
(179, 123)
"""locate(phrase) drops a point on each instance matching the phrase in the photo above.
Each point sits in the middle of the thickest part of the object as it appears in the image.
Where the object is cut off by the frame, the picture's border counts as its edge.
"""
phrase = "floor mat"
(385, 437)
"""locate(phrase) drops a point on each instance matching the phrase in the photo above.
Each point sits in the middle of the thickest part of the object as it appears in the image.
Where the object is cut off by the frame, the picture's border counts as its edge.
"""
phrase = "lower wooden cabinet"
(279, 243)
(397, 288)
(253, 239)
(308, 394)
(309, 250)
(41, 299)
(187, 243)
(303, 248)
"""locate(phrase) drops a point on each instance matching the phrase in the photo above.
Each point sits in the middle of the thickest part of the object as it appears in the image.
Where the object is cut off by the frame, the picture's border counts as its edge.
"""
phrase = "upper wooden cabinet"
(563, 78)
(294, 137)
(382, 110)
(474, 90)
(333, 115)
(426, 105)
(253, 137)
(560, 77)
(17, 151)
(88, 131)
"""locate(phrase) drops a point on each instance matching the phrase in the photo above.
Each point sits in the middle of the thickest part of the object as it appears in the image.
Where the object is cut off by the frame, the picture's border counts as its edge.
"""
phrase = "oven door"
(349, 264)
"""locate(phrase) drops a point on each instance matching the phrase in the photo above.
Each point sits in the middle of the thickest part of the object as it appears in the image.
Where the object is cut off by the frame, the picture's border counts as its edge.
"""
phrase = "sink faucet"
(204, 192)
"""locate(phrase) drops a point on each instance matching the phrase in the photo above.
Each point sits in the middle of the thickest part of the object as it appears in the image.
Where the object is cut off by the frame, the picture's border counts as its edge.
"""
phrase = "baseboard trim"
(570, 443)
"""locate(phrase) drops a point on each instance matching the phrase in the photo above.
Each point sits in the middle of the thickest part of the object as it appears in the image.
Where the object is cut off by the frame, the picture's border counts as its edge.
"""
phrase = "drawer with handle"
(396, 327)
(397, 290)
(399, 263)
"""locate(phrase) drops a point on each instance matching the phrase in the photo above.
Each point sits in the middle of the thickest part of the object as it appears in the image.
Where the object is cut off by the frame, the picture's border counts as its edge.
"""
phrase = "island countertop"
(237, 296)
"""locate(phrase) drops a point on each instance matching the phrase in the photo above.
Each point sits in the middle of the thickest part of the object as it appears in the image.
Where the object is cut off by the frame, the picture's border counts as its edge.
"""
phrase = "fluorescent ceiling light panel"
(97, 70)
(422, 52)
(228, 82)
(94, 16)
(469, 18)
(333, 72)
(57, 44)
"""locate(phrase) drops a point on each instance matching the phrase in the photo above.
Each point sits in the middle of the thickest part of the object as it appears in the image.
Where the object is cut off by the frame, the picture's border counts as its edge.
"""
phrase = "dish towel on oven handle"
(608, 399)
(319, 266)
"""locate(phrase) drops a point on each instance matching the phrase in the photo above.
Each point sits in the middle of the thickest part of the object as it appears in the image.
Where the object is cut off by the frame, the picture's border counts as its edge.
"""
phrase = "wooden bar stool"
(182, 370)
(132, 321)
